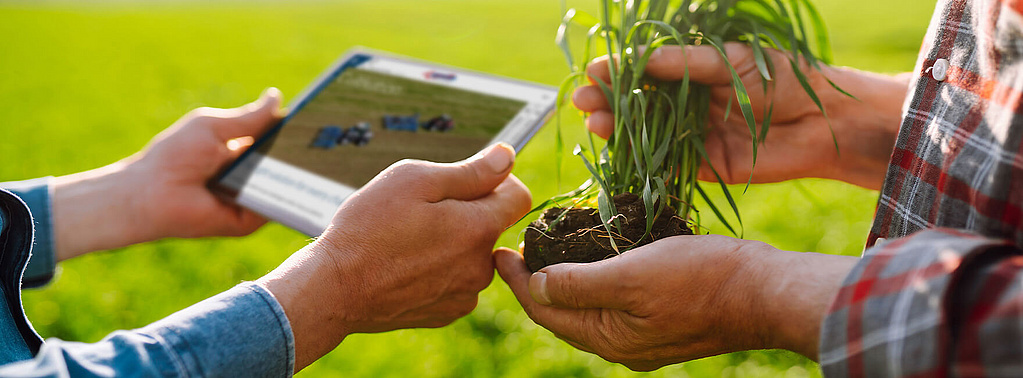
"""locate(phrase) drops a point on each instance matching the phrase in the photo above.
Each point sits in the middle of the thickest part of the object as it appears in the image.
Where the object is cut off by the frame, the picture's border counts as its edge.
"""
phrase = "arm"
(242, 331)
(397, 255)
(936, 300)
(799, 143)
(161, 191)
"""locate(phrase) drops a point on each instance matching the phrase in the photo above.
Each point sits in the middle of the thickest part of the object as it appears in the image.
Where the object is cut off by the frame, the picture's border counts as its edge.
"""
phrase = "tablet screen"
(364, 114)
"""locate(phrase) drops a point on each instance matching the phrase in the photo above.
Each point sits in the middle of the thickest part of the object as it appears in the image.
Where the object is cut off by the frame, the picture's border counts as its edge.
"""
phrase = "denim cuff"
(37, 194)
(243, 329)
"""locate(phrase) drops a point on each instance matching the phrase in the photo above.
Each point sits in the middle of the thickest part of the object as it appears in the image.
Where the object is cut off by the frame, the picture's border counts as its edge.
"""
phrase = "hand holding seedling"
(161, 191)
(800, 142)
(410, 249)
(681, 298)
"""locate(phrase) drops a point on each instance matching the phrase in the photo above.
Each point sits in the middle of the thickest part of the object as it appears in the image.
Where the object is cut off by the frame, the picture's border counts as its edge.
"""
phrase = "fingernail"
(538, 288)
(268, 96)
(498, 157)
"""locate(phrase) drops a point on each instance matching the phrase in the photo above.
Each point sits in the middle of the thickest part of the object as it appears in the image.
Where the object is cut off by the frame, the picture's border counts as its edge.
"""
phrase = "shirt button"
(939, 71)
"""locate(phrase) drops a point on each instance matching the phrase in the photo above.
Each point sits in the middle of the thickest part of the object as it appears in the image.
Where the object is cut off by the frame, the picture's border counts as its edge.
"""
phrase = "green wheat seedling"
(660, 127)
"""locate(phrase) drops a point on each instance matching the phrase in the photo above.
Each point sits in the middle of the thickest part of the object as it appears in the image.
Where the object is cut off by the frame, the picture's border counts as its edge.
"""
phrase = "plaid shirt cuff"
(936, 302)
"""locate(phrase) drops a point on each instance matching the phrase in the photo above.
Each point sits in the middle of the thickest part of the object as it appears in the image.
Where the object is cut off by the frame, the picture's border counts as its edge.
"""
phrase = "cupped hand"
(681, 298)
(799, 142)
(410, 249)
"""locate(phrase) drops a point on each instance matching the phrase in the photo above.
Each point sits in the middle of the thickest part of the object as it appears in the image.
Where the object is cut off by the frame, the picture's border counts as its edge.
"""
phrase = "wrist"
(795, 291)
(865, 127)
(312, 294)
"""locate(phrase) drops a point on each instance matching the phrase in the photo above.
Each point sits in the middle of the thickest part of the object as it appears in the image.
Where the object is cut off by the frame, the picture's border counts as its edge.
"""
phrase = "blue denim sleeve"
(242, 332)
(36, 194)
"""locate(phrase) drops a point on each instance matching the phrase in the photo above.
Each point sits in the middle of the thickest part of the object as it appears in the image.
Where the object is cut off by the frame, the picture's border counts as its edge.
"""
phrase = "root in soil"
(579, 236)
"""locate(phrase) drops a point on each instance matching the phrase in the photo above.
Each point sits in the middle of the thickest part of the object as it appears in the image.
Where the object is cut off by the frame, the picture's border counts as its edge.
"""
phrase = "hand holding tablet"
(367, 112)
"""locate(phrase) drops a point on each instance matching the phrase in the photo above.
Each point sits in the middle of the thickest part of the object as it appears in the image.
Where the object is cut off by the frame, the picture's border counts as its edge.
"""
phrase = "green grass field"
(82, 86)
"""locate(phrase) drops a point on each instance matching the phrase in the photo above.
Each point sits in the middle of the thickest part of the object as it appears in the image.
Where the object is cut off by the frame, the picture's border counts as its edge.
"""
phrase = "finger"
(512, 269)
(248, 222)
(566, 323)
(580, 286)
(598, 69)
(509, 202)
(232, 220)
(601, 123)
(253, 119)
(470, 179)
(705, 64)
(590, 99)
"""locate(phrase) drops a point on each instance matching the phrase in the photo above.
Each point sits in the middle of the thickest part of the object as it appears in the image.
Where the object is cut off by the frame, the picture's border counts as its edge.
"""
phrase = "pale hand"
(681, 298)
(162, 190)
(799, 142)
(410, 249)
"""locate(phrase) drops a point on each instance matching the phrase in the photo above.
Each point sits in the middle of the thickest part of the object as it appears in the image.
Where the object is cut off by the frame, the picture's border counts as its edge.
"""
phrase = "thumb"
(253, 119)
(572, 285)
(473, 178)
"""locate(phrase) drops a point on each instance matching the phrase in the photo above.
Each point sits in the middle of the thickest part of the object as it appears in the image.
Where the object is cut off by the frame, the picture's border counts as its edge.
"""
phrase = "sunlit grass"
(82, 86)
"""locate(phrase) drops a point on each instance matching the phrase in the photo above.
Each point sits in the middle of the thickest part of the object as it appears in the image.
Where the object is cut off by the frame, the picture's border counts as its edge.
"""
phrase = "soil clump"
(579, 236)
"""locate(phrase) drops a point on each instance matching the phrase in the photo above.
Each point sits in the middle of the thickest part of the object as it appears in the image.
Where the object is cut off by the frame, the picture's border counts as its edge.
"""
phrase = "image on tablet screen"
(368, 113)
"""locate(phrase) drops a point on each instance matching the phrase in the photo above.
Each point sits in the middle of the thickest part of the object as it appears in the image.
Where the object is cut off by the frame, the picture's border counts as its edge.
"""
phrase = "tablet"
(366, 112)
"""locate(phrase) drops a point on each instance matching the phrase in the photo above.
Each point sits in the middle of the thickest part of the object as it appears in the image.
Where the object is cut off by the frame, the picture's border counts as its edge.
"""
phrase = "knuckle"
(522, 198)
(567, 282)
(438, 323)
(487, 232)
(482, 280)
(466, 308)
(406, 170)
(485, 227)
(640, 366)
(405, 167)
(203, 113)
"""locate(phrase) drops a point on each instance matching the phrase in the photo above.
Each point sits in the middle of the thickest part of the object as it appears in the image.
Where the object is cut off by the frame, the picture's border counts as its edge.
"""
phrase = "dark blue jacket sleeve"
(36, 194)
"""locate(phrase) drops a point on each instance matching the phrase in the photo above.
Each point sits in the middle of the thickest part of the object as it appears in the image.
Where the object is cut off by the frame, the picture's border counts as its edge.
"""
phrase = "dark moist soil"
(580, 237)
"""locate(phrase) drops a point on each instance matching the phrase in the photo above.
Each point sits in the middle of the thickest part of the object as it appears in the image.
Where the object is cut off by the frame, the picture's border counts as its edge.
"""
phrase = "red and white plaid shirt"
(941, 292)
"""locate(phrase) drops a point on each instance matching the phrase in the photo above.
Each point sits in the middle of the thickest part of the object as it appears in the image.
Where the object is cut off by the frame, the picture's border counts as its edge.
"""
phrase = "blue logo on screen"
(443, 76)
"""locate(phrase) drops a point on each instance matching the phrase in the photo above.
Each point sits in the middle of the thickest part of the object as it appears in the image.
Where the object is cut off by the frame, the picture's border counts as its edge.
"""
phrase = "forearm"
(93, 210)
(794, 291)
(865, 127)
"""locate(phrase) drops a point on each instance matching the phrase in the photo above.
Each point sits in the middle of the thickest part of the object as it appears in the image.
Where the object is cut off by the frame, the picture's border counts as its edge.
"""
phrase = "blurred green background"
(83, 85)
